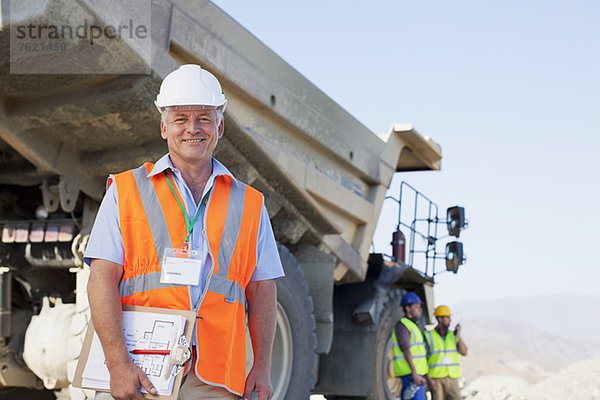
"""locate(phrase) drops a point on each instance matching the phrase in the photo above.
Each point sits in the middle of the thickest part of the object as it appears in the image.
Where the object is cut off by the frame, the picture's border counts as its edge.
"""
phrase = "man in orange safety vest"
(187, 203)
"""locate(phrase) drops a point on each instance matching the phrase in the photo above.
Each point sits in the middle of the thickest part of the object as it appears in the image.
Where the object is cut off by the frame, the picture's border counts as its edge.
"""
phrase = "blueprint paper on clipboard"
(145, 328)
(142, 331)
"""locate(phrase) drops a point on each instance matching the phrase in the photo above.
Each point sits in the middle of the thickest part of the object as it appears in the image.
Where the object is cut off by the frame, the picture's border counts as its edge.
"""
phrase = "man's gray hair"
(164, 112)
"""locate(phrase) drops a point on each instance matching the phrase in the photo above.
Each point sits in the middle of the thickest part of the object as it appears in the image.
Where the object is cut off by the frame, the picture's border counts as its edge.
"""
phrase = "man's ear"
(221, 127)
(163, 129)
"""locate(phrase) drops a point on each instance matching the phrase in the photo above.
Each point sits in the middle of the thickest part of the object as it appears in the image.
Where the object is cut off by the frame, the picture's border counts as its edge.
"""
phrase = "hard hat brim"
(160, 108)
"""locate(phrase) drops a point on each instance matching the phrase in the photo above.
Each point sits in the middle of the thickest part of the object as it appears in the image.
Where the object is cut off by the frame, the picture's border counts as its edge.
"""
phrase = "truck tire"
(385, 385)
(294, 358)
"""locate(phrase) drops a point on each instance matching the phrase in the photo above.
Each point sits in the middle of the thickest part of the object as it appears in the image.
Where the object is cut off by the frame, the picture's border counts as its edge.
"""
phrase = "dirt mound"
(577, 381)
(517, 352)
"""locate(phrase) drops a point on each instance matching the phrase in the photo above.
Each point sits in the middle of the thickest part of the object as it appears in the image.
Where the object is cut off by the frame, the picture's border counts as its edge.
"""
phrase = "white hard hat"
(190, 85)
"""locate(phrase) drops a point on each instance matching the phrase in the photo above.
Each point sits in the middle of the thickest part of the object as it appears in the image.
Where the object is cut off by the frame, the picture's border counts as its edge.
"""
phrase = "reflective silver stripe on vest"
(141, 283)
(162, 240)
(156, 218)
(160, 235)
(444, 365)
(417, 344)
(218, 282)
(413, 342)
(411, 345)
(443, 351)
(413, 337)
(431, 343)
(401, 357)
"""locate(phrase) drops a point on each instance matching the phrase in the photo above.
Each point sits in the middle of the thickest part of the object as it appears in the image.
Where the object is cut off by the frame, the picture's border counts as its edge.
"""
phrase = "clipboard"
(190, 319)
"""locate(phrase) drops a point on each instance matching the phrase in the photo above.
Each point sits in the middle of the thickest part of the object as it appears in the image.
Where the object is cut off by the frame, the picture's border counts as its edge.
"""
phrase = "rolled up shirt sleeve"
(106, 241)
(268, 263)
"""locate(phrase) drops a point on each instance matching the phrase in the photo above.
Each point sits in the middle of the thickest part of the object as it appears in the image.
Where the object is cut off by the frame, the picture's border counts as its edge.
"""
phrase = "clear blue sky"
(510, 89)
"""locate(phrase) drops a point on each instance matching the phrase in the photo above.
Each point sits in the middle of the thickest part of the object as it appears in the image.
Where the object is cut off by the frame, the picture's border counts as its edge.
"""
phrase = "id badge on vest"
(181, 267)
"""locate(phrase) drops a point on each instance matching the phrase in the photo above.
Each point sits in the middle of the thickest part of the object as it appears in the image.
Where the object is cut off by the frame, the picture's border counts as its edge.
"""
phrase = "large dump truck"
(324, 176)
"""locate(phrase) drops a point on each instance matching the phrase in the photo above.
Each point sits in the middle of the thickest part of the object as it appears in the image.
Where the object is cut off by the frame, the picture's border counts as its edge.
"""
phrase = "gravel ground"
(579, 381)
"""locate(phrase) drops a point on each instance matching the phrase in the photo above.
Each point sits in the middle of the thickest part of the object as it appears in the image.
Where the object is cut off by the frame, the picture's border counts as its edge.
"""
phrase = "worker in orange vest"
(187, 203)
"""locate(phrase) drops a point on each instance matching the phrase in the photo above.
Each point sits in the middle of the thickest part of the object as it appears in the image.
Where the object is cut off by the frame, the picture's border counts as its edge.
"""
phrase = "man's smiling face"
(192, 132)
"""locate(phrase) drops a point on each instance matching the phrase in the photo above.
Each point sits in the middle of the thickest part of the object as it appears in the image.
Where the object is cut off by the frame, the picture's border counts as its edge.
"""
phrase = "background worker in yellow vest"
(443, 347)
(187, 203)
(410, 359)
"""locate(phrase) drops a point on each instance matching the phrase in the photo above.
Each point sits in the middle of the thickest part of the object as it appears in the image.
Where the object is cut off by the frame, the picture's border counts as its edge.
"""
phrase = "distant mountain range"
(573, 316)
(529, 338)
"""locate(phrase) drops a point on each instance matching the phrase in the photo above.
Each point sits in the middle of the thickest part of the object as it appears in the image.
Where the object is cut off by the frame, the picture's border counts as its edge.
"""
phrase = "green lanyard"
(189, 225)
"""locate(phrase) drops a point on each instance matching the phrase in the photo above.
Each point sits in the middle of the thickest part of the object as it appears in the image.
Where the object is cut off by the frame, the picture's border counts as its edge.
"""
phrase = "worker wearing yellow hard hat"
(442, 311)
(443, 348)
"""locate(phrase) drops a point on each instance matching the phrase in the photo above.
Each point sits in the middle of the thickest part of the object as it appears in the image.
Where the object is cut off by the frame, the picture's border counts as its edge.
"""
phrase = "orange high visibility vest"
(151, 220)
